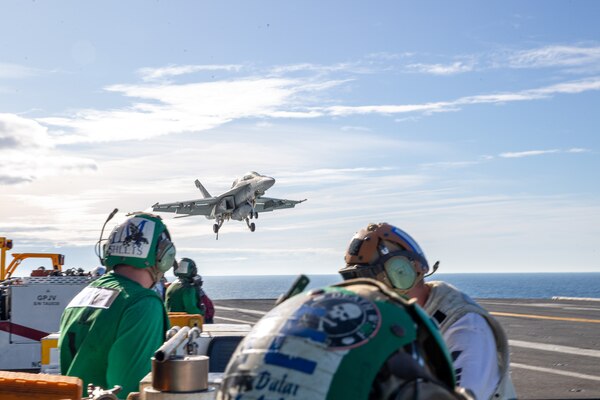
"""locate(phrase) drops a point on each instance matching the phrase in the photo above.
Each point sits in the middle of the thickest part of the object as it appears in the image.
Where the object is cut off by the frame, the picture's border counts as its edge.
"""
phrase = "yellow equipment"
(184, 319)
(31, 306)
(25, 386)
(57, 260)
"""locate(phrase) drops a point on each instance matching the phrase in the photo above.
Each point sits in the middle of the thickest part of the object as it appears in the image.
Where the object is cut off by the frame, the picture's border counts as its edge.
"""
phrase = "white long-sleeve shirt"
(472, 346)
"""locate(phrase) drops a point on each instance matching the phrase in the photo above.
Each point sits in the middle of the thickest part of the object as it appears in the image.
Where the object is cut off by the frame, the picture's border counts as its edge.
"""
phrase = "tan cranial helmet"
(387, 253)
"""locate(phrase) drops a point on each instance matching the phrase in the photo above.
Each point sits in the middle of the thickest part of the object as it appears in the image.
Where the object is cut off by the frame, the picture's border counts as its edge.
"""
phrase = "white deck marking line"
(236, 320)
(498, 303)
(575, 298)
(241, 310)
(556, 348)
(555, 371)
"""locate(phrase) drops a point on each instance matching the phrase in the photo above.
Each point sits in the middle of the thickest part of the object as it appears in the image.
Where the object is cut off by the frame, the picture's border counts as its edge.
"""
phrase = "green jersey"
(109, 332)
(183, 298)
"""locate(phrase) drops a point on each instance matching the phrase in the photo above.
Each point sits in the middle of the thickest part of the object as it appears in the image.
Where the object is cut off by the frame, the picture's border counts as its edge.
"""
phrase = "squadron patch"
(132, 239)
(339, 319)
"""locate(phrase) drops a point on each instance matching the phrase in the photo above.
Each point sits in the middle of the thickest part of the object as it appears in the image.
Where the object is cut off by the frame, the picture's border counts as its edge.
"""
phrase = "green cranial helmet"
(141, 241)
(186, 269)
(357, 339)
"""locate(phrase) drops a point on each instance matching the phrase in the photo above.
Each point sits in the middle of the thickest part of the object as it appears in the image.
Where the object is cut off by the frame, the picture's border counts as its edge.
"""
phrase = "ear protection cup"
(104, 254)
(165, 252)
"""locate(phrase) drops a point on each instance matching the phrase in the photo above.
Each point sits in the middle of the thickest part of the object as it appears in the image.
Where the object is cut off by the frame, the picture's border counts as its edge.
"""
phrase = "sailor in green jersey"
(182, 295)
(111, 329)
(355, 340)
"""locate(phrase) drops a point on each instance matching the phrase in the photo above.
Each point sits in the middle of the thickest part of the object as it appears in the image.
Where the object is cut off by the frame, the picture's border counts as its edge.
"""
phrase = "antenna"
(98, 244)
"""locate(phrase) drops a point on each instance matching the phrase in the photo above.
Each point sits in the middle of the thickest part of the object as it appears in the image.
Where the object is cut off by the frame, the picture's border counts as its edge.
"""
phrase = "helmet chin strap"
(155, 273)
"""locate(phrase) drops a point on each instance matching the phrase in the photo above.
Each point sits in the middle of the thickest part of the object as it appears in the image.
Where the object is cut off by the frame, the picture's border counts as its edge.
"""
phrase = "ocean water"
(527, 285)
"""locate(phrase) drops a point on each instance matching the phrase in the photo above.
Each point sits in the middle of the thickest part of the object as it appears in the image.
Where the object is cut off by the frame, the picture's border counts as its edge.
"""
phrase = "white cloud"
(457, 67)
(357, 67)
(578, 150)
(571, 87)
(386, 109)
(555, 56)
(155, 74)
(171, 108)
(573, 58)
(528, 153)
(165, 108)
(15, 71)
(28, 153)
(21, 133)
(355, 128)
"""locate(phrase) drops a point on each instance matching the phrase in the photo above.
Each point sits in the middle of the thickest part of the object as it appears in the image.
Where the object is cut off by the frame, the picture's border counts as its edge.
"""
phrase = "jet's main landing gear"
(216, 227)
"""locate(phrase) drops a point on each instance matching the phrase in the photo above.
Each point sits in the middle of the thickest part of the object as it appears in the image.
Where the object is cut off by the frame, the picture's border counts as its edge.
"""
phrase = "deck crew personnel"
(354, 340)
(476, 341)
(111, 329)
(186, 293)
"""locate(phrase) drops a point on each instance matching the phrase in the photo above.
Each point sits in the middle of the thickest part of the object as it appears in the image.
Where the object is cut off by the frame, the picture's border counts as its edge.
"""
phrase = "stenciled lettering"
(276, 385)
(122, 250)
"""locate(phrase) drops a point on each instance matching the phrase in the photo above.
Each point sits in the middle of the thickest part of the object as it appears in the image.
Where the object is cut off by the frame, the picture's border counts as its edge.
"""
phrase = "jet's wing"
(191, 207)
(264, 204)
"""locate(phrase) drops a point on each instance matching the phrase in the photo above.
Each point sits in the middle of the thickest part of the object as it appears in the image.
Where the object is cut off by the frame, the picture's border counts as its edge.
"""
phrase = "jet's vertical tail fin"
(202, 189)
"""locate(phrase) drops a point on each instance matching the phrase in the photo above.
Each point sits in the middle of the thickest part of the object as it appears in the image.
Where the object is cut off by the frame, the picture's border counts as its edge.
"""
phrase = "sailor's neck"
(420, 292)
(139, 275)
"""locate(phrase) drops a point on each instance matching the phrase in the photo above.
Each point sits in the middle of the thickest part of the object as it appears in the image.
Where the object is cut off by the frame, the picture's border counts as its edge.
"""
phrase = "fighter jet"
(242, 202)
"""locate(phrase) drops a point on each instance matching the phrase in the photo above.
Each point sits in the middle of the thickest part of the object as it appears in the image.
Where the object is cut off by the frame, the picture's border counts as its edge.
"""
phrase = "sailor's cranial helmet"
(386, 253)
(186, 268)
(142, 241)
(358, 339)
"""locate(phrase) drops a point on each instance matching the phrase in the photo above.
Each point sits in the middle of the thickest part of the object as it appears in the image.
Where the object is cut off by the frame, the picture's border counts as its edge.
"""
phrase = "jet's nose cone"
(268, 182)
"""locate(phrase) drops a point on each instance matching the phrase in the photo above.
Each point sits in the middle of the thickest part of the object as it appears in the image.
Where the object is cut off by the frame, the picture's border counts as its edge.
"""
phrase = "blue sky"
(473, 126)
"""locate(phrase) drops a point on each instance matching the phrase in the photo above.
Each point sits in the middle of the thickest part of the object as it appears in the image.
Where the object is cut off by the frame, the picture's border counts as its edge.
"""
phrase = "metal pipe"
(194, 333)
(164, 352)
(172, 332)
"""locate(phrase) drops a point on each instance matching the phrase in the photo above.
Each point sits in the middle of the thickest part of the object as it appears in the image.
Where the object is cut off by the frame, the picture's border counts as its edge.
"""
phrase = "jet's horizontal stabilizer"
(202, 189)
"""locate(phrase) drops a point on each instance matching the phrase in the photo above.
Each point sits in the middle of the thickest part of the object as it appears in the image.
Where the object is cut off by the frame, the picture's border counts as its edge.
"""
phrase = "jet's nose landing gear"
(251, 225)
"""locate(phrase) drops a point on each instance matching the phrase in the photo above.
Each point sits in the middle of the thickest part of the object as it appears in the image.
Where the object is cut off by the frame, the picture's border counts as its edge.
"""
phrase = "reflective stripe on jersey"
(94, 297)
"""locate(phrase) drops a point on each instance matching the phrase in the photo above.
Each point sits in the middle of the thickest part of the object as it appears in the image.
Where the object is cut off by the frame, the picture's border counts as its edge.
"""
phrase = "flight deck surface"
(554, 344)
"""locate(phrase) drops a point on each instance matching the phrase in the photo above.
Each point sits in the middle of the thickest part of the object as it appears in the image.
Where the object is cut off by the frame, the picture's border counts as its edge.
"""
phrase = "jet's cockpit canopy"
(247, 177)
(250, 175)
